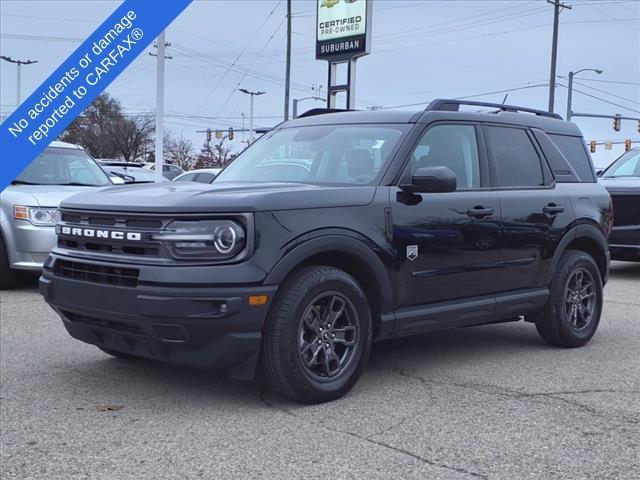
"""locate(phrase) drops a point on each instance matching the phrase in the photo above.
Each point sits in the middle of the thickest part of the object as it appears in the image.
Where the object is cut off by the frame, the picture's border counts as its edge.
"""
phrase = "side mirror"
(432, 180)
(599, 172)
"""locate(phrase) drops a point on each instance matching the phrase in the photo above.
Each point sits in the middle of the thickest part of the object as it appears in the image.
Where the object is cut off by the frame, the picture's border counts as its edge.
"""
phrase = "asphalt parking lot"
(486, 402)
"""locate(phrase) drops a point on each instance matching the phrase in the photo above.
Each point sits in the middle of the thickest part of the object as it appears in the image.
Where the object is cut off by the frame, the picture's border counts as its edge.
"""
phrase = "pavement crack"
(516, 394)
(379, 443)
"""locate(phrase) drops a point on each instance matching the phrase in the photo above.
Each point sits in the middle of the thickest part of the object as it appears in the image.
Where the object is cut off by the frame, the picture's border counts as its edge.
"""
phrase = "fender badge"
(412, 252)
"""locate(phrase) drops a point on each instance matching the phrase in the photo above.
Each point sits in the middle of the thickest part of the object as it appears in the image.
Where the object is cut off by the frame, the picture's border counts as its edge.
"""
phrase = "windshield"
(133, 174)
(326, 154)
(628, 165)
(63, 166)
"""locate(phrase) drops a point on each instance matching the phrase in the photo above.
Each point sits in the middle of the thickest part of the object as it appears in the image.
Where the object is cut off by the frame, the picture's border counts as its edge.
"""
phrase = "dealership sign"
(342, 29)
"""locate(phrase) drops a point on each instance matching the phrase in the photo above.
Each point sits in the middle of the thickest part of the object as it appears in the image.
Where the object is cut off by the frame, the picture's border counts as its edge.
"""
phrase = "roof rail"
(321, 111)
(454, 106)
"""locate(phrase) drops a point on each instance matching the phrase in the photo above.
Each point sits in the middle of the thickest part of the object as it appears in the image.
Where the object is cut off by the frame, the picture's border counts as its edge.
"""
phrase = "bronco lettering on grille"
(100, 233)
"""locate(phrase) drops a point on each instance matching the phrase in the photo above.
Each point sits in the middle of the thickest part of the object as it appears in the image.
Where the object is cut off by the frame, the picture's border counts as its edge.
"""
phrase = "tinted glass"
(205, 177)
(64, 166)
(326, 154)
(452, 146)
(627, 165)
(188, 177)
(515, 160)
(575, 152)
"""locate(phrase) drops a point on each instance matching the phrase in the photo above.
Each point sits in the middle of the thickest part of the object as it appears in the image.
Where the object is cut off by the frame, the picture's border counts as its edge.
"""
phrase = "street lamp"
(19, 64)
(253, 94)
(296, 100)
(570, 94)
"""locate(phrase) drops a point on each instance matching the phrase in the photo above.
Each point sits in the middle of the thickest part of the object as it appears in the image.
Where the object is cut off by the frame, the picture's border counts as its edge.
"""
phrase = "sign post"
(343, 34)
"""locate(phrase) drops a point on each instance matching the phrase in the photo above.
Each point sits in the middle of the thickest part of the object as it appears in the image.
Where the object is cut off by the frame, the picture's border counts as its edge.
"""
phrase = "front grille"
(121, 277)
(626, 210)
(143, 225)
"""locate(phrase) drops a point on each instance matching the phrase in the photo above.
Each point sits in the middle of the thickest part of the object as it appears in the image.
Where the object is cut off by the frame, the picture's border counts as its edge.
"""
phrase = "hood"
(621, 184)
(46, 195)
(188, 197)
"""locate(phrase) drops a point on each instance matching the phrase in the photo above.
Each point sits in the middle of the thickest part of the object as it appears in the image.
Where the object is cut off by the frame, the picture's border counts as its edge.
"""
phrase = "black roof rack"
(321, 111)
(454, 106)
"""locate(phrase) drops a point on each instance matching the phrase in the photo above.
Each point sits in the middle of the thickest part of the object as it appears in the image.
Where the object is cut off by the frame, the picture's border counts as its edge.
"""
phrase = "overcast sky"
(421, 50)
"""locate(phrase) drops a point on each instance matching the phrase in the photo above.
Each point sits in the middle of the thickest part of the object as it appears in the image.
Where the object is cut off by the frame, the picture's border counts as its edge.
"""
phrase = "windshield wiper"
(24, 182)
(78, 184)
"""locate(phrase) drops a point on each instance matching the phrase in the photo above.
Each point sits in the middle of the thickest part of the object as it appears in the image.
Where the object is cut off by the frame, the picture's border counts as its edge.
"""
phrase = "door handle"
(480, 212)
(553, 209)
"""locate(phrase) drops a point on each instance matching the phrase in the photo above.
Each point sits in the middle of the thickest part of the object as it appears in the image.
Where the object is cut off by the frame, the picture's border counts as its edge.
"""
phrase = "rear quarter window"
(575, 151)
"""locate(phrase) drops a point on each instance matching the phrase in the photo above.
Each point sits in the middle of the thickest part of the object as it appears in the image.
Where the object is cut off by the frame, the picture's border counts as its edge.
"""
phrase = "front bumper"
(27, 245)
(211, 327)
(624, 243)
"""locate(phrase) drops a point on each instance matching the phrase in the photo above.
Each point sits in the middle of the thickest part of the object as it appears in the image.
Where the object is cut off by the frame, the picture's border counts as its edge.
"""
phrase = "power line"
(637, 101)
(617, 82)
(206, 99)
(601, 99)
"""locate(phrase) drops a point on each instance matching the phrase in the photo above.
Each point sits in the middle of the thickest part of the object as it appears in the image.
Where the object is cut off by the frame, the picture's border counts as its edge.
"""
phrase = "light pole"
(19, 64)
(253, 94)
(295, 104)
(570, 87)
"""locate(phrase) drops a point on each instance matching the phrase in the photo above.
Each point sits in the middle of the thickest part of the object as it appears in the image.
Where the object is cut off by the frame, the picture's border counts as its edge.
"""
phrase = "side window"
(205, 177)
(189, 177)
(515, 160)
(575, 152)
(453, 146)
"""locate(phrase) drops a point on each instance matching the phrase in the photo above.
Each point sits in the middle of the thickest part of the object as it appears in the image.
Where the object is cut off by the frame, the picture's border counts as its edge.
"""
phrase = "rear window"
(516, 162)
(575, 152)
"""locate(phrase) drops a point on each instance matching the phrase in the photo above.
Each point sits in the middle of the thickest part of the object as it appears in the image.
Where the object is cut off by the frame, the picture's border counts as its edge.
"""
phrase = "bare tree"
(132, 135)
(180, 151)
(221, 153)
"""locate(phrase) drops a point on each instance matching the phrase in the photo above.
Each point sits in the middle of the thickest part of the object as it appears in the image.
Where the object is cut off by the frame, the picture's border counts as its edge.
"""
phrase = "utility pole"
(19, 64)
(287, 80)
(252, 94)
(159, 152)
(557, 8)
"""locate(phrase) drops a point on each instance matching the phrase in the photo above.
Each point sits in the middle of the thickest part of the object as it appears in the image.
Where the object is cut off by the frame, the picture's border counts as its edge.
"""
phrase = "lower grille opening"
(122, 277)
(115, 325)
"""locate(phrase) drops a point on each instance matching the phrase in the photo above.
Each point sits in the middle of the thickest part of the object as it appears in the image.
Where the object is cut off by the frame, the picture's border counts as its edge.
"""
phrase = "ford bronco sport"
(338, 229)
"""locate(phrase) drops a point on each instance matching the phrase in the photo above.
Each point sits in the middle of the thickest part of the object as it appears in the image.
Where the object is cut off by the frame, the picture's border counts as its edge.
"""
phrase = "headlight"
(37, 215)
(203, 240)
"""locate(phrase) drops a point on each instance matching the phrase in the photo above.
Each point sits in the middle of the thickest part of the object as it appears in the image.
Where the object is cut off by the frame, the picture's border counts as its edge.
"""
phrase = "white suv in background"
(29, 206)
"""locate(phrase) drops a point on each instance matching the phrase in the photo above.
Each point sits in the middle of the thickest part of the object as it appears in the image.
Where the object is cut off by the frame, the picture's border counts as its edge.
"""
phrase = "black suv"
(338, 229)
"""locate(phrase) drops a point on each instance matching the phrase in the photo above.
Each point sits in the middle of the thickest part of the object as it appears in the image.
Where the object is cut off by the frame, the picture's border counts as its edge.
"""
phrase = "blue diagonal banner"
(80, 79)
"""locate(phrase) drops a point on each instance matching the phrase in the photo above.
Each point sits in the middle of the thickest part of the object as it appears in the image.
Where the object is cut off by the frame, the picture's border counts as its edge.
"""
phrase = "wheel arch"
(355, 258)
(589, 239)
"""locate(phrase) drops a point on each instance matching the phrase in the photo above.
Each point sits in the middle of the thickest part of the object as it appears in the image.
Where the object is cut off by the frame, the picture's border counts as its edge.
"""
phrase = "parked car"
(169, 171)
(128, 172)
(622, 180)
(404, 223)
(29, 206)
(201, 175)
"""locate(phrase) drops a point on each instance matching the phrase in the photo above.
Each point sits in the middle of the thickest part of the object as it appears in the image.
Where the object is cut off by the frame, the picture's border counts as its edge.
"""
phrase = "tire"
(8, 276)
(564, 323)
(294, 364)
(120, 355)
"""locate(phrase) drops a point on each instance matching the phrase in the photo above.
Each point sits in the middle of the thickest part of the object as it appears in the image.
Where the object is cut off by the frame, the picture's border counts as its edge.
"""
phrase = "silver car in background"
(29, 206)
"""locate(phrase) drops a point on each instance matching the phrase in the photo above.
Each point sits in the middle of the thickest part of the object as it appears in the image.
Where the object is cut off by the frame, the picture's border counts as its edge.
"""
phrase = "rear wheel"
(572, 316)
(318, 335)
(8, 276)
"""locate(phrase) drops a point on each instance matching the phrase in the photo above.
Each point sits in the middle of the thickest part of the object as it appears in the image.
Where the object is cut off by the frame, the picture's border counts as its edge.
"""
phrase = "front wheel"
(318, 335)
(575, 304)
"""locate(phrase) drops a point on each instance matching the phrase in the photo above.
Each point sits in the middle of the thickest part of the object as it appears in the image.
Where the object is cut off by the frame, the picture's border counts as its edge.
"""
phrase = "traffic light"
(218, 134)
(616, 124)
(230, 136)
(208, 134)
(592, 146)
(638, 126)
(627, 145)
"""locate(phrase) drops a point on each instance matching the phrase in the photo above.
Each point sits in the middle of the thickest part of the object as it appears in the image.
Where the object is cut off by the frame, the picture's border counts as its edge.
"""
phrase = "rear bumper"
(211, 327)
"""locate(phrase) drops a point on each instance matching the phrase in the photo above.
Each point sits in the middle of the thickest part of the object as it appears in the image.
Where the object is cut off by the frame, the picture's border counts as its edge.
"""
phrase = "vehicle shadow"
(625, 270)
